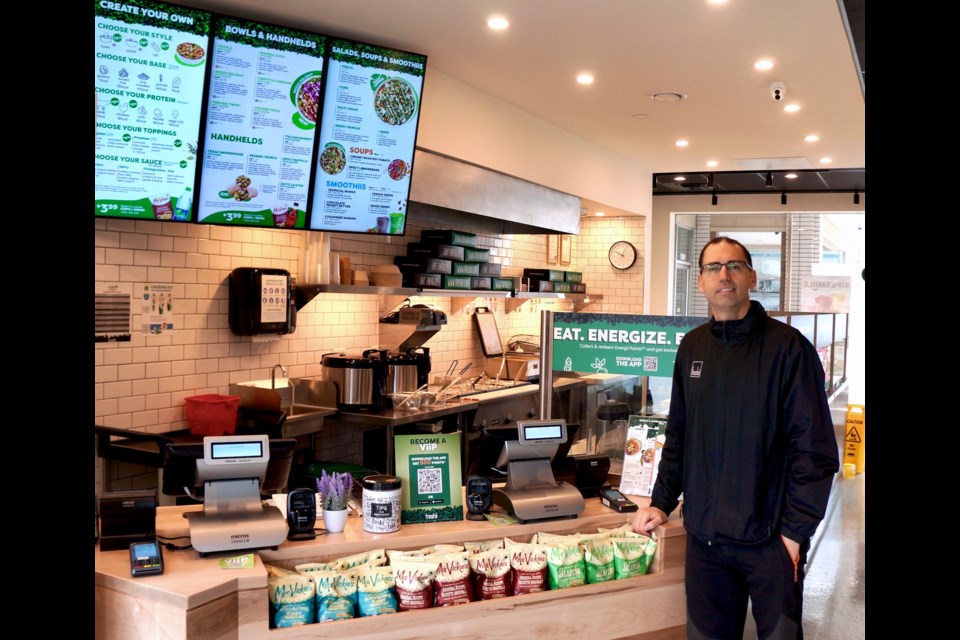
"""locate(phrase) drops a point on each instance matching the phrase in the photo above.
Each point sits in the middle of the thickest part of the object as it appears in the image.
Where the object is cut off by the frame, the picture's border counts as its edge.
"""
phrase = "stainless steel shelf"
(304, 293)
(465, 293)
(578, 297)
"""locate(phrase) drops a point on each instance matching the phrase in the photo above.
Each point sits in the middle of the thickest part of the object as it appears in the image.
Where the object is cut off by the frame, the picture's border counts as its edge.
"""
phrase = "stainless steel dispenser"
(360, 380)
(402, 373)
(410, 327)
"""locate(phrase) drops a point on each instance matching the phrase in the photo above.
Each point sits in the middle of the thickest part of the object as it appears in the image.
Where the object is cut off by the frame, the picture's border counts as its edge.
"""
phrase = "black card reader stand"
(301, 514)
(479, 497)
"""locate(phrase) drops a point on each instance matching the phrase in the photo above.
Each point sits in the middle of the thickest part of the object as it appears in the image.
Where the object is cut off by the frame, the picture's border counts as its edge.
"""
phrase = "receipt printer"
(592, 473)
(125, 517)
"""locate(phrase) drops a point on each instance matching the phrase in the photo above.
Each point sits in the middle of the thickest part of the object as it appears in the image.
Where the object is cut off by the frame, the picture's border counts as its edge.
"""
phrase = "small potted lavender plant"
(334, 490)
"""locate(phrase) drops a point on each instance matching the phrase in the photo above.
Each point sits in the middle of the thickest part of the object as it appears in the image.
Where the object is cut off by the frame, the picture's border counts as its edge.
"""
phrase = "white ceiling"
(634, 48)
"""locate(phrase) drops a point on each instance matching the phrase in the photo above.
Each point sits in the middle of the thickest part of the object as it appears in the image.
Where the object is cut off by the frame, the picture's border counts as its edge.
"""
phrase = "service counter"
(196, 599)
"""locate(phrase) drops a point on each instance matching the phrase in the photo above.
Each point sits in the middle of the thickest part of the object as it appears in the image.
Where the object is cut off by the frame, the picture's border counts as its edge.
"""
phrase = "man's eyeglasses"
(733, 267)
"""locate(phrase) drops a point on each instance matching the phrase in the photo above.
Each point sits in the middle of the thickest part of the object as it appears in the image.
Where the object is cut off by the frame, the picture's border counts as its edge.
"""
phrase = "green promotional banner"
(618, 343)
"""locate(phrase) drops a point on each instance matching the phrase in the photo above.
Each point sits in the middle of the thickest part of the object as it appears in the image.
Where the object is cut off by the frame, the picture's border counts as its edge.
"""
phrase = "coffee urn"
(360, 381)
(401, 373)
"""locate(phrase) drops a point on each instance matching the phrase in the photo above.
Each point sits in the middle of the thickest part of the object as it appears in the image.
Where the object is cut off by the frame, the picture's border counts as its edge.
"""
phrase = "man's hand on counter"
(648, 519)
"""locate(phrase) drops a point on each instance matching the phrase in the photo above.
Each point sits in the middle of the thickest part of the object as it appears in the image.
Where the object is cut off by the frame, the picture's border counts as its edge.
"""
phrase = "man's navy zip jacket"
(750, 441)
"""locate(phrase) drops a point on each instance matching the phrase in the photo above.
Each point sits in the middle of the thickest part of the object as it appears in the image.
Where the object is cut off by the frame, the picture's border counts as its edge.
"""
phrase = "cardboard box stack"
(445, 259)
(554, 281)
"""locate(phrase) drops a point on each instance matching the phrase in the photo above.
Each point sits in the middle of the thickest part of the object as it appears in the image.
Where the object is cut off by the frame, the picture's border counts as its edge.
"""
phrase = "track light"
(710, 181)
(769, 181)
(783, 198)
(856, 197)
(713, 199)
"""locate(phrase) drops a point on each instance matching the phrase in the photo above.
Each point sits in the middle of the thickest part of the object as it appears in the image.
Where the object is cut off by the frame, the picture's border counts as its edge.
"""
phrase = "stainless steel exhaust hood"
(447, 191)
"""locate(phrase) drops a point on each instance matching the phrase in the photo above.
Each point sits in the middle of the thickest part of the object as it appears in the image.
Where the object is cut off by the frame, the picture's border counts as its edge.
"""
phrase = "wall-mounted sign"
(618, 343)
(156, 309)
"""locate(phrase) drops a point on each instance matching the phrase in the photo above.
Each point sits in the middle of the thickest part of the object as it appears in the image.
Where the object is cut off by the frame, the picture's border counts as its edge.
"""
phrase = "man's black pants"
(720, 578)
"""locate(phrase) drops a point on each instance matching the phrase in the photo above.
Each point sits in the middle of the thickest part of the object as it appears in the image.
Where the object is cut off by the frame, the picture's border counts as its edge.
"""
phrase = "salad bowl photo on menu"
(395, 100)
(333, 158)
(189, 54)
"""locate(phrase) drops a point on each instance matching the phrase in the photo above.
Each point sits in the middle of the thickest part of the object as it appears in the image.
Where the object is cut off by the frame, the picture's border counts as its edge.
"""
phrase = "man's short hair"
(718, 240)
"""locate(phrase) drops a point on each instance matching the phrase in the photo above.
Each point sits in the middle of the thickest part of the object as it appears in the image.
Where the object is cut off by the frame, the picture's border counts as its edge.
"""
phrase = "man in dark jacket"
(750, 447)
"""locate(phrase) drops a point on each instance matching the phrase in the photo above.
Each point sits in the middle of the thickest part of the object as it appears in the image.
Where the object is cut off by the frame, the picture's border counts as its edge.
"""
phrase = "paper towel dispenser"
(261, 302)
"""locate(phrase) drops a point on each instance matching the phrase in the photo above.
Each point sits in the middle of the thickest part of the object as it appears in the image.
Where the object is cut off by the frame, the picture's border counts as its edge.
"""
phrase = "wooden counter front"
(197, 600)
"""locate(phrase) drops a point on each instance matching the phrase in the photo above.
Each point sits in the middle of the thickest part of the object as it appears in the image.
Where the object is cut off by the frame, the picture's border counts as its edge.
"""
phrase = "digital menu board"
(260, 123)
(149, 67)
(368, 132)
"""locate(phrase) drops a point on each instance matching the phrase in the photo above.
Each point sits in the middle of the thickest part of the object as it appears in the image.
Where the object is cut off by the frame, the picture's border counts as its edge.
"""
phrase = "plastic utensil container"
(381, 503)
(212, 414)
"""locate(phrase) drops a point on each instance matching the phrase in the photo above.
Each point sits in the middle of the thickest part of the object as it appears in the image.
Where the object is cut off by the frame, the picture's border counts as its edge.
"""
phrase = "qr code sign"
(429, 481)
(650, 363)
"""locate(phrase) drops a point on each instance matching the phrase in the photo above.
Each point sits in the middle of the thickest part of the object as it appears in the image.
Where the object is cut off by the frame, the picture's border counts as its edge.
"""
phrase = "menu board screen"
(261, 120)
(149, 65)
(368, 131)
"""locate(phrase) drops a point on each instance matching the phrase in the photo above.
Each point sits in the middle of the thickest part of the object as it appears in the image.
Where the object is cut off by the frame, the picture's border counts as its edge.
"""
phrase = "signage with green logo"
(618, 343)
(429, 466)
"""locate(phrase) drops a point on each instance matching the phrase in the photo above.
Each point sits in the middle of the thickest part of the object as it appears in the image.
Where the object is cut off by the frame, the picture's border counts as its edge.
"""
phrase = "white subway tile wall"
(141, 384)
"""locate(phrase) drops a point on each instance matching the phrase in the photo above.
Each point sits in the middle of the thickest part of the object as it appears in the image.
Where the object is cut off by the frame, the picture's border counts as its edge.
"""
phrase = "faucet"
(273, 374)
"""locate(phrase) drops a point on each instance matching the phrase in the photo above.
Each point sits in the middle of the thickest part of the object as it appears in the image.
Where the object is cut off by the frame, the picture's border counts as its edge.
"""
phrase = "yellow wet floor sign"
(854, 438)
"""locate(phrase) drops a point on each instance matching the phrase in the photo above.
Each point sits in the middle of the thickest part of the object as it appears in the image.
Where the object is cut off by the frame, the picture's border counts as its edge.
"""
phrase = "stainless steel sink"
(306, 401)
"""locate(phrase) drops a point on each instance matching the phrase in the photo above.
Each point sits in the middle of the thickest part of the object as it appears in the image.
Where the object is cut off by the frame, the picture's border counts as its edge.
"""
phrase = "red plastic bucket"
(212, 414)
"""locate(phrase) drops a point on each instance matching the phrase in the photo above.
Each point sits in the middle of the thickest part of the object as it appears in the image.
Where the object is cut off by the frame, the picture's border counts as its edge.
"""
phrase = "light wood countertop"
(195, 598)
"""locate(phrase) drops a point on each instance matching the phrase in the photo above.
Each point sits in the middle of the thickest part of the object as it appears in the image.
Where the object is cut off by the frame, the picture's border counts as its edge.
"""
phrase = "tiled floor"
(833, 598)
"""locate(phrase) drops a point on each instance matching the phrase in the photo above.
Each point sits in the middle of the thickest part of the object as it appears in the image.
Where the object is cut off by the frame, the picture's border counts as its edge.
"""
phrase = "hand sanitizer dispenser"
(261, 302)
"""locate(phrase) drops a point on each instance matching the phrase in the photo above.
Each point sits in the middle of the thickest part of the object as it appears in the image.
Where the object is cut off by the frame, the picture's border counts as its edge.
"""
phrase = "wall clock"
(622, 254)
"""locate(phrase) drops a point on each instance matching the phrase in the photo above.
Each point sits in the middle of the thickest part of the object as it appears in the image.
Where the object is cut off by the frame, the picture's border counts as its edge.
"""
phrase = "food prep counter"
(466, 414)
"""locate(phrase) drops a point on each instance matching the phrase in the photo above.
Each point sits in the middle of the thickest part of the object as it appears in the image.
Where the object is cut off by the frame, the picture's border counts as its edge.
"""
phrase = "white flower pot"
(335, 521)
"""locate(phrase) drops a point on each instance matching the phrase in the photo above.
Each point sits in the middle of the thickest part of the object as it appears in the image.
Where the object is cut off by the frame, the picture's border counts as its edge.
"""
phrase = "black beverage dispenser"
(261, 302)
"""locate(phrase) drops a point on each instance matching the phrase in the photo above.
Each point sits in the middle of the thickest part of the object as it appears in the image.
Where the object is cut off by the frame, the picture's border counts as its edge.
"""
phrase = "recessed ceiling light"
(681, 143)
(639, 116)
(667, 96)
(712, 163)
(811, 138)
(764, 64)
(790, 176)
(679, 178)
(600, 214)
(718, 2)
(792, 107)
(826, 160)
(498, 23)
(585, 78)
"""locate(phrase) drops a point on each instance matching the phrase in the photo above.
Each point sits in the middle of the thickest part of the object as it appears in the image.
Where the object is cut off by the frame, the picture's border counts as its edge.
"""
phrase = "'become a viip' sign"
(618, 343)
